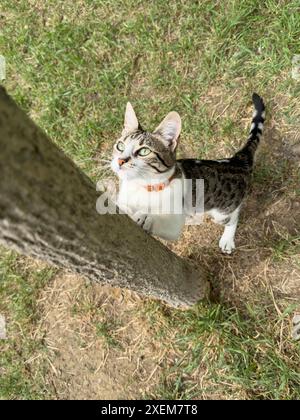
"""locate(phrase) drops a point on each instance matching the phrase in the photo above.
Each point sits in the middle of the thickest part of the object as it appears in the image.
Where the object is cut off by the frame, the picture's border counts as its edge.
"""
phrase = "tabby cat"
(150, 175)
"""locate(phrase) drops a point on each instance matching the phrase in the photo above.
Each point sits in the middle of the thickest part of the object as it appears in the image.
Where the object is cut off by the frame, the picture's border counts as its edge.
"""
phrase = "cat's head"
(142, 154)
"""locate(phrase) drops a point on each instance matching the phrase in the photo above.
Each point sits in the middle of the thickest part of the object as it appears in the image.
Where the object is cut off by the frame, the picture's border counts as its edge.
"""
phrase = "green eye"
(144, 151)
(120, 146)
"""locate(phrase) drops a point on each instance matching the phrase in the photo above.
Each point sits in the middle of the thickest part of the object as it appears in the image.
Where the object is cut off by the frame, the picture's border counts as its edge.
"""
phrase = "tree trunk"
(48, 211)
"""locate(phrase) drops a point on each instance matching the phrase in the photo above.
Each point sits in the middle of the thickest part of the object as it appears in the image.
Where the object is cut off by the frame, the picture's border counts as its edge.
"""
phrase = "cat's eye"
(120, 146)
(144, 151)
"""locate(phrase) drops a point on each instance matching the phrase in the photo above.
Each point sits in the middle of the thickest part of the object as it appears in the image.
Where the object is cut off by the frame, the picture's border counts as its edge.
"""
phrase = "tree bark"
(48, 211)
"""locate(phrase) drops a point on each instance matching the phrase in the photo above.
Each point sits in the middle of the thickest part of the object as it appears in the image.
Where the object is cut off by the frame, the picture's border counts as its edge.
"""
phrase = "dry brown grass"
(118, 361)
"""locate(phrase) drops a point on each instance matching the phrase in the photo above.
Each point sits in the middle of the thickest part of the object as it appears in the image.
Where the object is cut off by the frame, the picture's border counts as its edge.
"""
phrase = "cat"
(151, 175)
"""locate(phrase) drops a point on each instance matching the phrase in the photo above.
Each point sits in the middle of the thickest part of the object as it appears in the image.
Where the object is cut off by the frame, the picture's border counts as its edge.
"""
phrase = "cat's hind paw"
(143, 220)
(227, 245)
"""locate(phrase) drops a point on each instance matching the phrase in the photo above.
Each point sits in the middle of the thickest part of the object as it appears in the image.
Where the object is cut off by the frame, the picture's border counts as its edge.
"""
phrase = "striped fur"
(226, 181)
(247, 153)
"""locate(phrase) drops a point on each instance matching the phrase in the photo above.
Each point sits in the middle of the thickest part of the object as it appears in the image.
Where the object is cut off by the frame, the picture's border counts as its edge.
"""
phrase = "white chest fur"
(164, 209)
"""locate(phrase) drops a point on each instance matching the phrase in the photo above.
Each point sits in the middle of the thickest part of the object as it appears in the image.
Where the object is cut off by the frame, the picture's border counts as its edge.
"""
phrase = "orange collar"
(161, 185)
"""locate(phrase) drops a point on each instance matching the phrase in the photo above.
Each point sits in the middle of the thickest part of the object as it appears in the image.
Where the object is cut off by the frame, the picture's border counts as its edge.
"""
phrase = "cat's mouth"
(125, 167)
(122, 170)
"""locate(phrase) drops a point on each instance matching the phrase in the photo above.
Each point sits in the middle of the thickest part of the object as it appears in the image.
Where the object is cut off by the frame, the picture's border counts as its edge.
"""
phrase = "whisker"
(102, 160)
(104, 166)
(104, 169)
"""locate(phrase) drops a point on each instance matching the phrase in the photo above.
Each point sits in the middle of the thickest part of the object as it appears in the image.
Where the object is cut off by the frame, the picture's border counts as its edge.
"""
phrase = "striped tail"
(246, 154)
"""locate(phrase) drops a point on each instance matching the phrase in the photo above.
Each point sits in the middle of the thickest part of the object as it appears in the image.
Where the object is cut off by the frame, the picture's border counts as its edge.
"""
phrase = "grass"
(72, 66)
(287, 247)
(103, 329)
(238, 354)
(21, 365)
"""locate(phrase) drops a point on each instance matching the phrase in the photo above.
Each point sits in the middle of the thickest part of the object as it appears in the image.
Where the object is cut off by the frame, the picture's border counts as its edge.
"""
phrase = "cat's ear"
(131, 123)
(169, 129)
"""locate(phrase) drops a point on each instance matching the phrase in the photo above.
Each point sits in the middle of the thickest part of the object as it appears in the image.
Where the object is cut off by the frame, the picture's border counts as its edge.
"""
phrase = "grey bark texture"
(48, 211)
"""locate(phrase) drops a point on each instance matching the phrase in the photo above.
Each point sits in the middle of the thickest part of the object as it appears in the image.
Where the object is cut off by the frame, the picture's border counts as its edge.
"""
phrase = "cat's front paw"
(143, 220)
(227, 245)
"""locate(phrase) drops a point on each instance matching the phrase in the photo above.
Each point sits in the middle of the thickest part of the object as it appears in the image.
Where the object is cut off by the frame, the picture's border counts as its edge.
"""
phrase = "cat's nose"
(122, 161)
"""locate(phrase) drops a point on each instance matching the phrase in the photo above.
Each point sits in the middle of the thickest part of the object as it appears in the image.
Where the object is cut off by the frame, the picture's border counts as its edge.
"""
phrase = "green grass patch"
(20, 285)
(240, 354)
